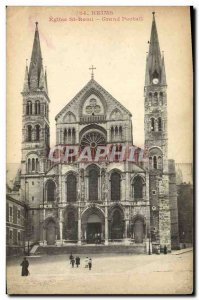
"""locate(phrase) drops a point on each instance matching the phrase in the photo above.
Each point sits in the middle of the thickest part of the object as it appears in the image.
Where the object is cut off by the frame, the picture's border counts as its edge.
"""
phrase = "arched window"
(71, 188)
(155, 95)
(155, 162)
(29, 166)
(161, 98)
(93, 184)
(29, 133)
(47, 135)
(29, 108)
(159, 124)
(65, 136)
(159, 162)
(112, 133)
(33, 164)
(115, 186)
(116, 133)
(120, 132)
(138, 187)
(152, 124)
(37, 132)
(37, 165)
(150, 95)
(69, 135)
(37, 107)
(155, 98)
(154, 154)
(73, 136)
(50, 191)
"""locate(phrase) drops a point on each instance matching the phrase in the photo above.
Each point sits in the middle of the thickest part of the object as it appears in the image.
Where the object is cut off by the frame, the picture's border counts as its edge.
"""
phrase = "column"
(106, 223)
(44, 230)
(61, 226)
(126, 239)
(79, 224)
(126, 228)
(61, 231)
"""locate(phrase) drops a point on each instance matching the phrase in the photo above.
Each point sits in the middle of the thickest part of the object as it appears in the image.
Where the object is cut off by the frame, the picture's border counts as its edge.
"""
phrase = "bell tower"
(156, 141)
(35, 120)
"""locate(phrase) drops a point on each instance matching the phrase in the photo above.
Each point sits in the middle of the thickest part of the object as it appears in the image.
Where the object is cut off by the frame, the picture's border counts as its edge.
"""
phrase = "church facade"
(107, 201)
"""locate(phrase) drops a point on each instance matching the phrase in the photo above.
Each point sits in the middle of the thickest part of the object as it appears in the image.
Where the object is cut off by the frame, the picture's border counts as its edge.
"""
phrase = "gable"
(93, 99)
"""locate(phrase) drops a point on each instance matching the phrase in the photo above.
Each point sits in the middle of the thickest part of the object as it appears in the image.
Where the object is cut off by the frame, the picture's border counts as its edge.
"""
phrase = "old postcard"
(99, 151)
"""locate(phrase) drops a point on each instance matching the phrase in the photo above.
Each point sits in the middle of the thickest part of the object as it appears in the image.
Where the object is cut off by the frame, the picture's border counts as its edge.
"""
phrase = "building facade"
(185, 214)
(15, 223)
(109, 201)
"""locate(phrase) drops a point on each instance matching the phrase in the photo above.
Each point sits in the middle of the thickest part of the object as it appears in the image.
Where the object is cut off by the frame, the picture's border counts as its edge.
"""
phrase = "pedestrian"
(165, 249)
(25, 265)
(71, 257)
(90, 263)
(86, 262)
(73, 262)
(77, 261)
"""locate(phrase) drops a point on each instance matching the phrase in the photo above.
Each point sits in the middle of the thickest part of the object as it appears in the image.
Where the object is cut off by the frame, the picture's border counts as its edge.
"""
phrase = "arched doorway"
(51, 232)
(93, 226)
(138, 230)
(71, 226)
(94, 229)
(116, 225)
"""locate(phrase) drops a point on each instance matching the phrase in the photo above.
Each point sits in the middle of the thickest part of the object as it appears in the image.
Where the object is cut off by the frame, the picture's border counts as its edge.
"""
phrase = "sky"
(117, 48)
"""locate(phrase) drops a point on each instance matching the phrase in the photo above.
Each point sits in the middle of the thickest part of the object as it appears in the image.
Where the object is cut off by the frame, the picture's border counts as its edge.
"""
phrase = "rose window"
(92, 140)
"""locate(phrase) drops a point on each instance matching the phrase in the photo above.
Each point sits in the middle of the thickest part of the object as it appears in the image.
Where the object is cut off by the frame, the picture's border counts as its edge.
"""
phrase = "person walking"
(25, 265)
(90, 263)
(77, 261)
(73, 262)
(71, 257)
(86, 262)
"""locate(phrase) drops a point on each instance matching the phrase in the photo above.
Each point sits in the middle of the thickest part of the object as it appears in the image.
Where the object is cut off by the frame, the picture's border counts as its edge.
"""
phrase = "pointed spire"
(154, 63)
(46, 80)
(36, 61)
(163, 74)
(26, 79)
(147, 79)
(42, 79)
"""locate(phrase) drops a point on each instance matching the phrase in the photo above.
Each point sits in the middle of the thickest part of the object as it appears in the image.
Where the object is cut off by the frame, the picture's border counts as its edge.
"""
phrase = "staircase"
(92, 249)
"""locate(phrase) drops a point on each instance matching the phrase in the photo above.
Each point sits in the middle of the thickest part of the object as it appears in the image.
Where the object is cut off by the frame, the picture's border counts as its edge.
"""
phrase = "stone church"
(116, 202)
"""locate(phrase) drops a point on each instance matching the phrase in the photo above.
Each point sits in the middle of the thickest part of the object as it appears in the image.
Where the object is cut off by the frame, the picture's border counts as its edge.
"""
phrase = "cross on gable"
(92, 73)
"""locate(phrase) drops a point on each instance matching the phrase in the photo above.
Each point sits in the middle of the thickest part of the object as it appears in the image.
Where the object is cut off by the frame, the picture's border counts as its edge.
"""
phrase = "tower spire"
(154, 61)
(163, 75)
(36, 61)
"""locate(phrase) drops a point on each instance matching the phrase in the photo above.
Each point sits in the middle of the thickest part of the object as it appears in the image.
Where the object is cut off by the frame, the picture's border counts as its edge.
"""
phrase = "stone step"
(92, 249)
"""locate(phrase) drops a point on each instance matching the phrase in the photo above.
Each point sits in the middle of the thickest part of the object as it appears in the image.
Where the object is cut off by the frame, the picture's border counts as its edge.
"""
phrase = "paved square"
(118, 274)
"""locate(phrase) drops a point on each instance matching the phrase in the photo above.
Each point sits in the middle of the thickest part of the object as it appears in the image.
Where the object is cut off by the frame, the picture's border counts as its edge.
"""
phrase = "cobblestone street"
(118, 274)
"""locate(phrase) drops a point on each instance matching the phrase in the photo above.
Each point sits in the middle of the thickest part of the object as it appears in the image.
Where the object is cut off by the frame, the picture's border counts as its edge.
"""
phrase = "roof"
(92, 84)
